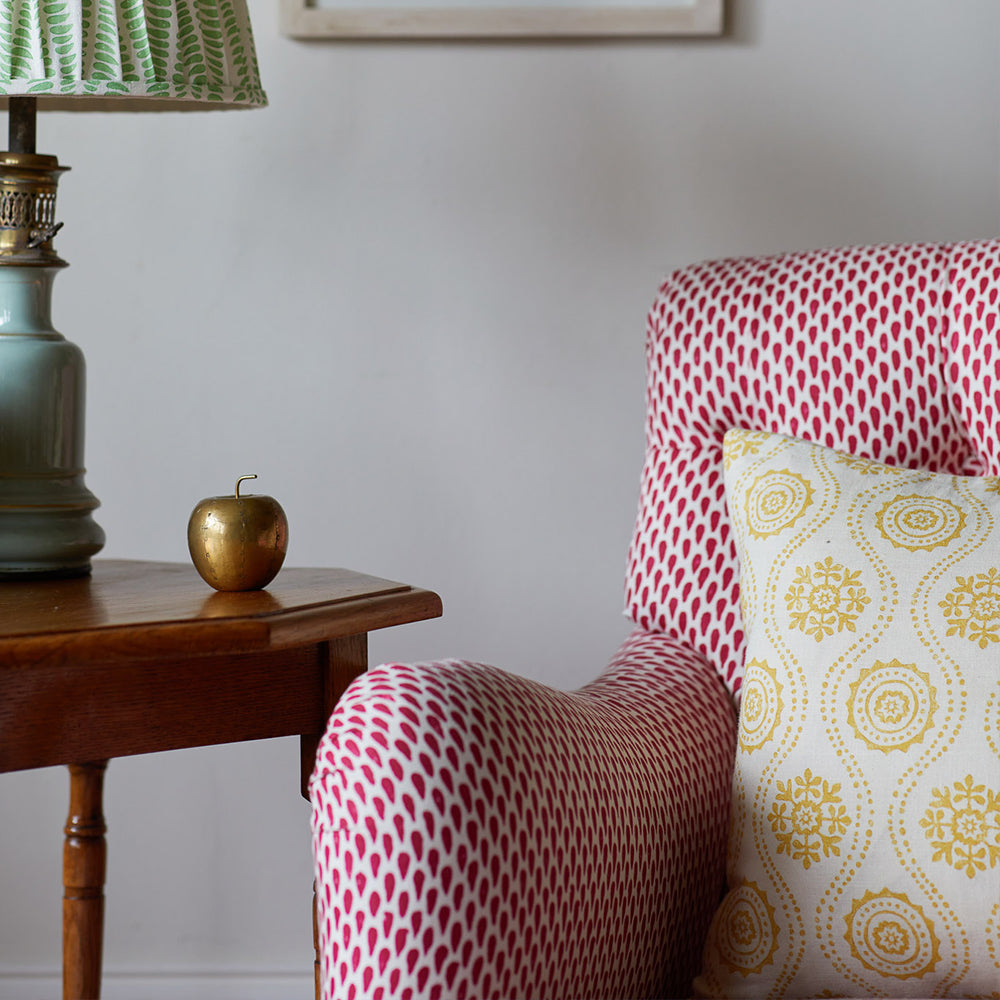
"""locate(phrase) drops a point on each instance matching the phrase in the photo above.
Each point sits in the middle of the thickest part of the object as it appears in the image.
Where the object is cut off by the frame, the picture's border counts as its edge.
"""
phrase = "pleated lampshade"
(137, 55)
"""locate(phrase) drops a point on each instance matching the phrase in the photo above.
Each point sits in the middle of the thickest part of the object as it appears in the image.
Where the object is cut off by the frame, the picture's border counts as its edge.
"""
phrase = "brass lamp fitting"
(27, 209)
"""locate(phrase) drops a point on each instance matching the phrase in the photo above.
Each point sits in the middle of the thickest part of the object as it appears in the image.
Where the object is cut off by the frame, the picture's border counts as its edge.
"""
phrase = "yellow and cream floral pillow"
(864, 853)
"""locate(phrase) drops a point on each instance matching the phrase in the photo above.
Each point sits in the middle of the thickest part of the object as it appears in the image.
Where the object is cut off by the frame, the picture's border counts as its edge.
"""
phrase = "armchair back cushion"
(888, 353)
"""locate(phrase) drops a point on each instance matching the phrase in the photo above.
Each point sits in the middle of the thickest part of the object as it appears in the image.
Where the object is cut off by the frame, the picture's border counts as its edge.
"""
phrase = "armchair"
(477, 834)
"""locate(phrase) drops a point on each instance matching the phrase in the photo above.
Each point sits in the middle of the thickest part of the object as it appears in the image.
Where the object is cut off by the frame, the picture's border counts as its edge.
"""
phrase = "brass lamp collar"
(27, 209)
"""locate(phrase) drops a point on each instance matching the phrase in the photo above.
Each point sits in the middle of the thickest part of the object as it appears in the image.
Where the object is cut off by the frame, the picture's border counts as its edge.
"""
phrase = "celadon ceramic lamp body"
(48, 527)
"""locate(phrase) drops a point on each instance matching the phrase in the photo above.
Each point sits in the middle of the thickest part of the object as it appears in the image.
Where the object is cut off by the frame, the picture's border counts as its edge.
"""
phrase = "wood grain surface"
(135, 610)
(144, 657)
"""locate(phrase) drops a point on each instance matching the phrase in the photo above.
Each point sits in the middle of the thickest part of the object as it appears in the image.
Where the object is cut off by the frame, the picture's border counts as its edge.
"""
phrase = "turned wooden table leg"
(84, 862)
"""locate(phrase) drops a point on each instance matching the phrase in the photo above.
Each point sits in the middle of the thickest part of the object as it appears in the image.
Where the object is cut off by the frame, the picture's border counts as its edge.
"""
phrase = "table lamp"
(69, 55)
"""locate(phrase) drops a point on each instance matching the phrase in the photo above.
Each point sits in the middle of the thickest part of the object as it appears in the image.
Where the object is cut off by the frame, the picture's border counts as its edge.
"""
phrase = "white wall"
(410, 296)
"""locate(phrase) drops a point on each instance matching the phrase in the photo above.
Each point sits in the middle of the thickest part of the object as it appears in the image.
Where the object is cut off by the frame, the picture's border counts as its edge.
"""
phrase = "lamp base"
(47, 544)
(46, 527)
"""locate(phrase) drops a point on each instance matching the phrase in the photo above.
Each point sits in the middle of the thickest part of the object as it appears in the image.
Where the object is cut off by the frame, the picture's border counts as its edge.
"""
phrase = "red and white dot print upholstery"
(884, 352)
(479, 835)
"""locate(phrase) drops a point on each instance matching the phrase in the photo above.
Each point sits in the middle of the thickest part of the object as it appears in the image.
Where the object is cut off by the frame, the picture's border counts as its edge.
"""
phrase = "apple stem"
(240, 480)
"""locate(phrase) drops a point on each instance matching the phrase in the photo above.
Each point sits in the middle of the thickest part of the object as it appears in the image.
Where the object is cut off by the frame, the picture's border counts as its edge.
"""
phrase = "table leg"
(84, 863)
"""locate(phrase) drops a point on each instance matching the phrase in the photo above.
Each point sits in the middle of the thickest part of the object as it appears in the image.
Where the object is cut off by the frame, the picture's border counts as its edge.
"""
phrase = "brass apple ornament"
(238, 543)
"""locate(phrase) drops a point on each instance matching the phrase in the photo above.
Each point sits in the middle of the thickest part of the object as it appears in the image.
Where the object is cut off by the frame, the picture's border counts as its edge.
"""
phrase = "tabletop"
(144, 656)
(133, 609)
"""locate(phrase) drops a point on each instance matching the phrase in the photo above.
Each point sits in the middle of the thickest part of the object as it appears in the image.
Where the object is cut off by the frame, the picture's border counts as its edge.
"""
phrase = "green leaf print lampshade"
(86, 55)
(129, 54)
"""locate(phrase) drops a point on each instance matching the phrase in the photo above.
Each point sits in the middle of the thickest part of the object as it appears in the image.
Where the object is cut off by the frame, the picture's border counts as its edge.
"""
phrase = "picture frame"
(346, 19)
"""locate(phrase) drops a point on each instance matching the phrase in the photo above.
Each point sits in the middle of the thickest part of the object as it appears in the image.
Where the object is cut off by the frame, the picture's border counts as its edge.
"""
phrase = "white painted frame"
(303, 19)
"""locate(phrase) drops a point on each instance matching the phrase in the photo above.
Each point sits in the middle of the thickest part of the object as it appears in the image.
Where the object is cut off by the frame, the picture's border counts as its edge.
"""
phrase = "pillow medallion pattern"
(864, 855)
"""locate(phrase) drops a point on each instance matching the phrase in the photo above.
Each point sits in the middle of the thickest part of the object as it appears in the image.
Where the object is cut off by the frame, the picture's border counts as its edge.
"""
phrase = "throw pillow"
(864, 853)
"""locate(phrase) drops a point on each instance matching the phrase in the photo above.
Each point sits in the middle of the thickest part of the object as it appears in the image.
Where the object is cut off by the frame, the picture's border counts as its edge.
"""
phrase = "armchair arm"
(477, 834)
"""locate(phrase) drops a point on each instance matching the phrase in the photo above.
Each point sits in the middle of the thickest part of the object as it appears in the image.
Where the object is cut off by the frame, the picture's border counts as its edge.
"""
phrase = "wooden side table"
(143, 657)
